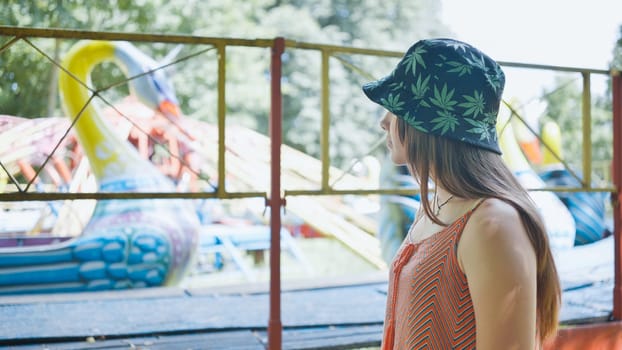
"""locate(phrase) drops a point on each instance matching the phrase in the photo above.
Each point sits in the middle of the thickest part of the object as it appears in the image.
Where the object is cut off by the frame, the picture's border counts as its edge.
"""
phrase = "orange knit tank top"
(429, 304)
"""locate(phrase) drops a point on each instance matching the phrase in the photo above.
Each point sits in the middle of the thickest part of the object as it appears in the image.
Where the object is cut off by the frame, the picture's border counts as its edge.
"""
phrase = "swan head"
(153, 89)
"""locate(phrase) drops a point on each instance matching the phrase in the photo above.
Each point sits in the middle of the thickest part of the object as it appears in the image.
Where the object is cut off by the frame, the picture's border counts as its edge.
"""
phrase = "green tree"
(27, 86)
(564, 106)
(391, 24)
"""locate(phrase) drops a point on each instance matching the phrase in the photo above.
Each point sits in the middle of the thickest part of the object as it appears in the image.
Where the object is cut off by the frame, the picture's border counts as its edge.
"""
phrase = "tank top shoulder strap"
(479, 202)
(467, 216)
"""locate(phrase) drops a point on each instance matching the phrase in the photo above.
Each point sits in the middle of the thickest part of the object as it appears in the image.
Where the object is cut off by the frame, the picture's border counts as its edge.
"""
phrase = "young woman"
(475, 269)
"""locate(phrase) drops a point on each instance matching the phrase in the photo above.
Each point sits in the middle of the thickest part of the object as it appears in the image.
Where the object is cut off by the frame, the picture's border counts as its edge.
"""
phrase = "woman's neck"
(448, 206)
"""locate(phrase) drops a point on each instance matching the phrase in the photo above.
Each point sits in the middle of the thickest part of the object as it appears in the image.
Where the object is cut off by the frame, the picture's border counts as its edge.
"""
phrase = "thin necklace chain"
(439, 206)
(436, 212)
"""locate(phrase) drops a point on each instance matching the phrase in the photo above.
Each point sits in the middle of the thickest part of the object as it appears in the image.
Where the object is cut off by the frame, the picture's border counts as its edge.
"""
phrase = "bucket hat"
(444, 87)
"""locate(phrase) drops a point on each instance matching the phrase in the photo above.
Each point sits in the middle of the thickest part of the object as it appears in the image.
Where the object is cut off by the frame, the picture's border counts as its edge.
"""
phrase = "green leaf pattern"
(460, 68)
(458, 46)
(474, 105)
(413, 59)
(480, 128)
(397, 86)
(490, 118)
(478, 62)
(443, 98)
(445, 121)
(420, 88)
(495, 78)
(417, 124)
(392, 103)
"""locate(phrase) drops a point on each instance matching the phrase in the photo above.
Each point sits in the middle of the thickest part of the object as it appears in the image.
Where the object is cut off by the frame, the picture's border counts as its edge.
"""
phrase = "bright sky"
(555, 32)
(552, 32)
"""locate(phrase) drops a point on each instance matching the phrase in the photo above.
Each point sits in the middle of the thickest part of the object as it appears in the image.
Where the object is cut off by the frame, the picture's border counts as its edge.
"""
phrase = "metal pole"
(587, 130)
(325, 131)
(616, 198)
(275, 327)
(222, 111)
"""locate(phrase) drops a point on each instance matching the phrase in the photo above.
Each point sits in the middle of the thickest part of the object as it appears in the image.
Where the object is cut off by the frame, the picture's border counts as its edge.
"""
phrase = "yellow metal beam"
(144, 37)
(408, 192)
(9, 43)
(586, 112)
(342, 49)
(53, 196)
(222, 110)
(325, 129)
(553, 68)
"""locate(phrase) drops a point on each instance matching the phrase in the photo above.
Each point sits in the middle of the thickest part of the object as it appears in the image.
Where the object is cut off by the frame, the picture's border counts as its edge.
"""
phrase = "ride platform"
(328, 314)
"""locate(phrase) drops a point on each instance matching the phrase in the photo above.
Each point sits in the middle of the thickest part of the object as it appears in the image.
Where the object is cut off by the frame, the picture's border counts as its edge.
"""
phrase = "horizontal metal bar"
(51, 196)
(331, 192)
(333, 49)
(145, 37)
(407, 192)
(574, 189)
(554, 68)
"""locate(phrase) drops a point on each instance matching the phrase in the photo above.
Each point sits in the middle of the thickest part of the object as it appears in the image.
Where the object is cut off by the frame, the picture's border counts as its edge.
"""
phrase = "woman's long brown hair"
(471, 172)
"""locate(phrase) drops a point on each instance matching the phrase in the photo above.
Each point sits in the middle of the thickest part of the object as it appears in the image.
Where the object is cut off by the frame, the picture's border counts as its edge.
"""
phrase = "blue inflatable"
(587, 208)
(559, 223)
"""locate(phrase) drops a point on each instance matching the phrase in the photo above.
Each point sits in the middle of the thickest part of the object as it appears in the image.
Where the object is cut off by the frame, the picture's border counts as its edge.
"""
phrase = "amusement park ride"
(113, 244)
(130, 243)
(125, 244)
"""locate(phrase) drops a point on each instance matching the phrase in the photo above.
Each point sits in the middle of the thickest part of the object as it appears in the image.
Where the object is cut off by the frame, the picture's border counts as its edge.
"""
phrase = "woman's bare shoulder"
(495, 225)
(493, 215)
(494, 209)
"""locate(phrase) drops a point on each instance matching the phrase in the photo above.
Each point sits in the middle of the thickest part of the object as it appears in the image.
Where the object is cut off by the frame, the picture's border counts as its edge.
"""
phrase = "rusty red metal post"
(275, 326)
(616, 83)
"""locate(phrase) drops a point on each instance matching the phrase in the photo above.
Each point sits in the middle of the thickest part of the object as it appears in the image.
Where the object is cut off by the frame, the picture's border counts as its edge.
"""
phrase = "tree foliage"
(28, 78)
(564, 106)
